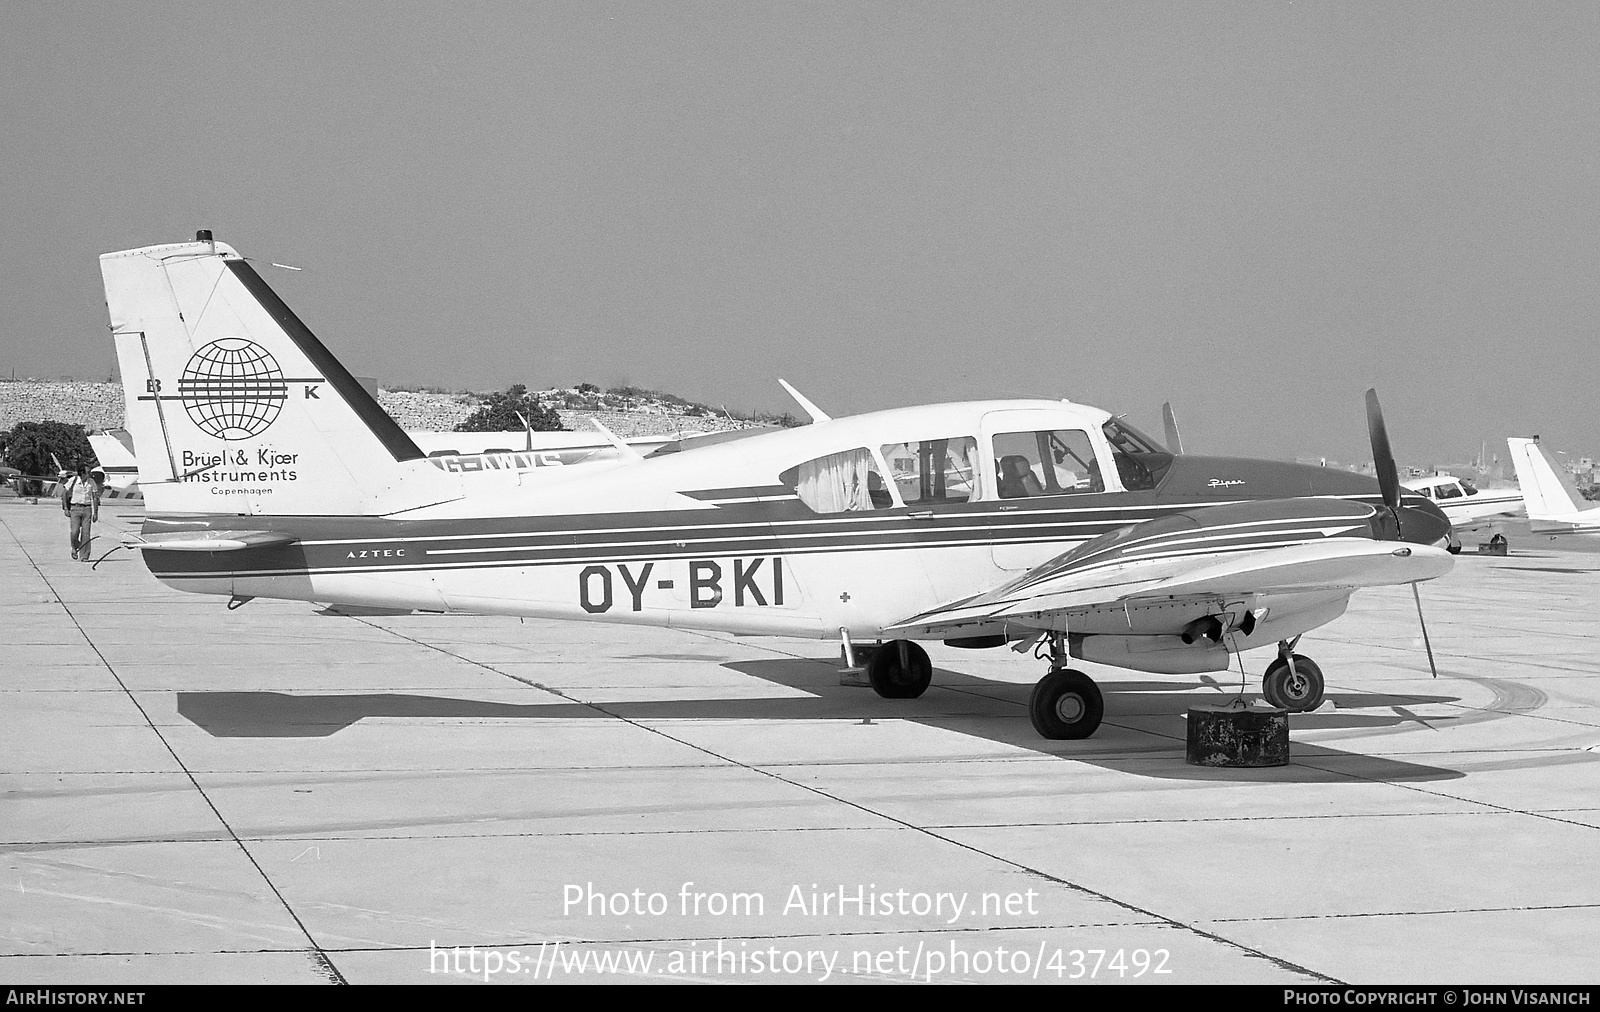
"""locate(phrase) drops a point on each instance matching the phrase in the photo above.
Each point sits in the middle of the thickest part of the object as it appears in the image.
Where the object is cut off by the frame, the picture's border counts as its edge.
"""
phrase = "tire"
(1453, 549)
(1283, 690)
(900, 670)
(1066, 705)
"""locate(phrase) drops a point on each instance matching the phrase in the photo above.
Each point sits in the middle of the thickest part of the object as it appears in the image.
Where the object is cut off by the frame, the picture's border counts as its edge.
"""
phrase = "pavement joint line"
(1305, 761)
(317, 954)
(356, 836)
(1494, 808)
(1421, 672)
(481, 835)
(1410, 913)
(1277, 961)
(785, 936)
(618, 942)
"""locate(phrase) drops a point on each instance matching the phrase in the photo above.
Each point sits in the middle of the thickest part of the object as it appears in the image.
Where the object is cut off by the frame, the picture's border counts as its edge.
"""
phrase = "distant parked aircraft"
(113, 448)
(1468, 507)
(1552, 496)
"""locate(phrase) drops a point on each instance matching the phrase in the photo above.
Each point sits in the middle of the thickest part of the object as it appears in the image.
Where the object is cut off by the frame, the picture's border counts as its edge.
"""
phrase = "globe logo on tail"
(232, 388)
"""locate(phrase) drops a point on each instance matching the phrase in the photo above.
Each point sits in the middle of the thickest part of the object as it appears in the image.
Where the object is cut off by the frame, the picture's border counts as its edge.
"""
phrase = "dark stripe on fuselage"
(326, 544)
(741, 492)
(389, 433)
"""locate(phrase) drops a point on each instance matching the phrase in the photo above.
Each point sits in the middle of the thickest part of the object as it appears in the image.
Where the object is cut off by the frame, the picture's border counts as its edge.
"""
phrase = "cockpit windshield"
(1141, 461)
(1124, 438)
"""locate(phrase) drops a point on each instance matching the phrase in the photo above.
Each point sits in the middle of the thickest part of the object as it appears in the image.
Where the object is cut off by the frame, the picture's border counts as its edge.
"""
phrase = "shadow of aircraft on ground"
(1143, 731)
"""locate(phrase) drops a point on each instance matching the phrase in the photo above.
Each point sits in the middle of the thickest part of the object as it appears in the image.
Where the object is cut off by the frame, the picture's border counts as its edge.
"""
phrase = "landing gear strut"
(1292, 682)
(900, 670)
(1066, 704)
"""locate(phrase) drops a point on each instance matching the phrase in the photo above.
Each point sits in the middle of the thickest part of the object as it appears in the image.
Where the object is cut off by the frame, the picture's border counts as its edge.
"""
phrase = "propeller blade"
(1420, 621)
(1174, 439)
(1382, 455)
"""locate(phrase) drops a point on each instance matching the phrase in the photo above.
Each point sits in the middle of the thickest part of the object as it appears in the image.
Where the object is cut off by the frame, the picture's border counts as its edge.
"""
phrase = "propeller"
(1389, 485)
(1383, 459)
(1170, 422)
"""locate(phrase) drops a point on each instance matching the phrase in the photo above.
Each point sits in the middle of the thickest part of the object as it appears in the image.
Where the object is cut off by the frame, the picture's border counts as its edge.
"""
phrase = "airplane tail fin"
(117, 462)
(235, 405)
(110, 451)
(1548, 491)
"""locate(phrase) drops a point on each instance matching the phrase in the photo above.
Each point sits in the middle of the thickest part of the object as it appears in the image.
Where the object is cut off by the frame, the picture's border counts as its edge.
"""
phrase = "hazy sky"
(1253, 210)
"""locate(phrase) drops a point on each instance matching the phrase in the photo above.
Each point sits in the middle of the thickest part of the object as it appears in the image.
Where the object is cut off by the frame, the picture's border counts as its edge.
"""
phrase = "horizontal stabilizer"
(210, 541)
(362, 611)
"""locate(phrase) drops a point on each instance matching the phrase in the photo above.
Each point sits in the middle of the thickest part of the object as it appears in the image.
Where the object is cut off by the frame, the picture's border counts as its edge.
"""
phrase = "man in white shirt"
(80, 501)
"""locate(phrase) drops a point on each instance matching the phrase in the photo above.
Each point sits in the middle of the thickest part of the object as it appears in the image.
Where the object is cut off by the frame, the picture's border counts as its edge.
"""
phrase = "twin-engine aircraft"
(1552, 496)
(268, 471)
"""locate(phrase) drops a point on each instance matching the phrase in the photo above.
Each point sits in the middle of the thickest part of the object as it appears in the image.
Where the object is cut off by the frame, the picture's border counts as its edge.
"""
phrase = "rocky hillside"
(627, 413)
(92, 405)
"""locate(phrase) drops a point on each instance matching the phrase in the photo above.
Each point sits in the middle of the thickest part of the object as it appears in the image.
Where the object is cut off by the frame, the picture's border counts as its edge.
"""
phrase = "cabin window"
(932, 471)
(1057, 462)
(1449, 492)
(841, 482)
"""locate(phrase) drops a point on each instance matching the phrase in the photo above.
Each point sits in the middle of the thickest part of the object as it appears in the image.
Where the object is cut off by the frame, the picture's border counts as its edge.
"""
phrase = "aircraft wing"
(1291, 554)
(209, 541)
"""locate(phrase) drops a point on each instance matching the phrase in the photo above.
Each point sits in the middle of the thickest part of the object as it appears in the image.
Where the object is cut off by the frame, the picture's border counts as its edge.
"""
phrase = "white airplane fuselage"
(1466, 506)
(720, 538)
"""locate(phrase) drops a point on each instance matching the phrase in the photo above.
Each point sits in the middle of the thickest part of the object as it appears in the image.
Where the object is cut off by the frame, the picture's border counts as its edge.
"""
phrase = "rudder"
(235, 405)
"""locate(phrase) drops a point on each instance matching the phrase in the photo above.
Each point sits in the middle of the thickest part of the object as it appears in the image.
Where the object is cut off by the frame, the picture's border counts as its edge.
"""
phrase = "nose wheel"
(1066, 705)
(900, 670)
(1296, 687)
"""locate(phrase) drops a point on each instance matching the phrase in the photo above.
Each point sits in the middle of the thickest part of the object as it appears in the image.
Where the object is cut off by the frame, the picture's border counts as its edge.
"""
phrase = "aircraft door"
(1046, 471)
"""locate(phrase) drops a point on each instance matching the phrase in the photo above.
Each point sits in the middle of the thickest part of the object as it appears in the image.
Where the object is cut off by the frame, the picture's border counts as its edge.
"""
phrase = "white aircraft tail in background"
(1550, 493)
(113, 449)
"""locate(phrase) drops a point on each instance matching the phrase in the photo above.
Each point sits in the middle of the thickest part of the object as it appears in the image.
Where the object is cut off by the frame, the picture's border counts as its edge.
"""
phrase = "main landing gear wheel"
(900, 670)
(1298, 690)
(1066, 705)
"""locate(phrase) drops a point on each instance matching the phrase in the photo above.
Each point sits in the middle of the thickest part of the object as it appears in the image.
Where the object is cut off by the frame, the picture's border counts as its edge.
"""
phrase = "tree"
(498, 413)
(34, 447)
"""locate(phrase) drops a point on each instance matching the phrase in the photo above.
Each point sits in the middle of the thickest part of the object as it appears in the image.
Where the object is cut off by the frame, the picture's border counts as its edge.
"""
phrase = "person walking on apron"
(80, 501)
